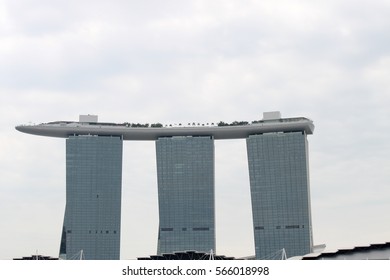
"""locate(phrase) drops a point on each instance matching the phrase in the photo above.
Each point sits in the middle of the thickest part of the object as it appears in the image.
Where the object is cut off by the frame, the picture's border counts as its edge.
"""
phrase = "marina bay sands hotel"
(277, 152)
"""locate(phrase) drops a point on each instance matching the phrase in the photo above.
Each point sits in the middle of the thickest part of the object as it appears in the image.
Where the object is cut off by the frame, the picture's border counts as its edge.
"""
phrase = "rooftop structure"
(88, 125)
(187, 255)
(36, 258)
(378, 251)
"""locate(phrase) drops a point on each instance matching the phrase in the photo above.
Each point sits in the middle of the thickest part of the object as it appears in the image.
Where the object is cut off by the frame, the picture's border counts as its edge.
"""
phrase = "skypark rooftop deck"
(64, 129)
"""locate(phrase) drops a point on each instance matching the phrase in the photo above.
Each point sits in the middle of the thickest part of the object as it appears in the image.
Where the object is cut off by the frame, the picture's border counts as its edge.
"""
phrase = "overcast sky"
(180, 61)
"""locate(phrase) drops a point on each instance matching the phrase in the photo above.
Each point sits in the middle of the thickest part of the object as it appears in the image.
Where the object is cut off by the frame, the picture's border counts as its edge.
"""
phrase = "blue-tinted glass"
(279, 179)
(185, 167)
(93, 197)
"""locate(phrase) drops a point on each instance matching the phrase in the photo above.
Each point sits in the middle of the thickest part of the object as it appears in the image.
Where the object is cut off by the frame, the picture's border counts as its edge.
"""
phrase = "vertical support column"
(280, 193)
(185, 170)
(93, 198)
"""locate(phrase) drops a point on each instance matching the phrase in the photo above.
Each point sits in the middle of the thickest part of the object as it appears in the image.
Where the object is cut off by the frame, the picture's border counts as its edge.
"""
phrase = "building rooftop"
(378, 251)
(88, 125)
(36, 258)
(187, 255)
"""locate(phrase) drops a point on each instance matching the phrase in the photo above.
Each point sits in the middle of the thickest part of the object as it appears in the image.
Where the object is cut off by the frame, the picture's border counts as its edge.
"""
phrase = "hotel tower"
(277, 151)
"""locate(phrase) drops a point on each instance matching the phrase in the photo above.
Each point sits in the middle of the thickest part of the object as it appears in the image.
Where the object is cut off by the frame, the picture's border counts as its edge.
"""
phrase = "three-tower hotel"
(277, 151)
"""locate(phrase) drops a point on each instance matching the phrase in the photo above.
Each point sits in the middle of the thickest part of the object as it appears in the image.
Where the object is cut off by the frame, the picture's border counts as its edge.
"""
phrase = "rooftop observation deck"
(236, 130)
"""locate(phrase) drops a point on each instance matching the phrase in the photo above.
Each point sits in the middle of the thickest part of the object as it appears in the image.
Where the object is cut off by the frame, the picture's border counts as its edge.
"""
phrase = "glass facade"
(93, 198)
(185, 171)
(279, 181)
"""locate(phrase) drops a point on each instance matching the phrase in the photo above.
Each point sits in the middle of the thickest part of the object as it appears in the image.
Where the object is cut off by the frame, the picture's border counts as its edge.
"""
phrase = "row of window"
(97, 231)
(185, 229)
(279, 227)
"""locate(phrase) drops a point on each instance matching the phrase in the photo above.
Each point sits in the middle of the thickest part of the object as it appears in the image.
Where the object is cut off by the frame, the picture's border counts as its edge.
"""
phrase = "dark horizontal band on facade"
(280, 227)
(185, 229)
(97, 231)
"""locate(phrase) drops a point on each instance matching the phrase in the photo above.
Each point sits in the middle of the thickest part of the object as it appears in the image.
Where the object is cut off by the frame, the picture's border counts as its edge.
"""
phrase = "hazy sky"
(180, 61)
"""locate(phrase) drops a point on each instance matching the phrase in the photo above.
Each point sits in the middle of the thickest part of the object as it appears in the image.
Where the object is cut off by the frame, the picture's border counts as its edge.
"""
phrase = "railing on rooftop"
(193, 124)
